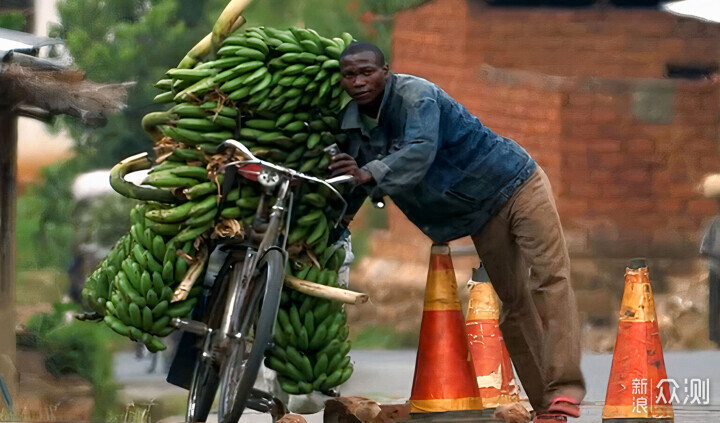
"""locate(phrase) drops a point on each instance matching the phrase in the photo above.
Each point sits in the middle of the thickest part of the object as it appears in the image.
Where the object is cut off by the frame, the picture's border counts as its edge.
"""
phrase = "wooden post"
(8, 177)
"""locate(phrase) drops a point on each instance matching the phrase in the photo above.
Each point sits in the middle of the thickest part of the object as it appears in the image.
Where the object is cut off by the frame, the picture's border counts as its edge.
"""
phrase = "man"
(454, 177)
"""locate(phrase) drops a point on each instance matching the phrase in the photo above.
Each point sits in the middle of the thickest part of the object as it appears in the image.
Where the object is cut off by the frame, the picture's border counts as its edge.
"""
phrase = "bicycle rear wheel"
(253, 325)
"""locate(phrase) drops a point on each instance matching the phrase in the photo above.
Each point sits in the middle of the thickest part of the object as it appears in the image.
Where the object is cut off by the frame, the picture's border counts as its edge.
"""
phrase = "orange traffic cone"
(444, 379)
(638, 389)
(493, 367)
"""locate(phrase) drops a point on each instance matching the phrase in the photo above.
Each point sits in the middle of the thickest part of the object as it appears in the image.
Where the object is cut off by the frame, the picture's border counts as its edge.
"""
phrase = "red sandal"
(550, 418)
(564, 406)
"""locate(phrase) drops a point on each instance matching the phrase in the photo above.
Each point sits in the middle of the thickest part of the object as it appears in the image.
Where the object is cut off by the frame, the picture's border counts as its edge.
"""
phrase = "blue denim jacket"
(444, 169)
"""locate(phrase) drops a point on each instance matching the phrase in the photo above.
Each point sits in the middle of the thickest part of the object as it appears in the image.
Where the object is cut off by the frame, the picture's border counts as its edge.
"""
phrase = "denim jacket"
(444, 169)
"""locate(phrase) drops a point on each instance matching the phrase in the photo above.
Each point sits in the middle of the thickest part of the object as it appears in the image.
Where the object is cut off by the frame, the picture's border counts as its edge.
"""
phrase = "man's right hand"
(345, 164)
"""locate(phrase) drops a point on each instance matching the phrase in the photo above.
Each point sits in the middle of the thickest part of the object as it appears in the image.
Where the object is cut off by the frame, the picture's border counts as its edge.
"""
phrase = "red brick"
(640, 146)
(609, 160)
(681, 190)
(670, 205)
(604, 145)
(642, 176)
(573, 207)
(702, 207)
(602, 176)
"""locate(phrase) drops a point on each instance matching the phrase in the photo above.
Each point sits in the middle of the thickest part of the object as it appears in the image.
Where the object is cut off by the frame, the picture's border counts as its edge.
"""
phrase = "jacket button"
(379, 156)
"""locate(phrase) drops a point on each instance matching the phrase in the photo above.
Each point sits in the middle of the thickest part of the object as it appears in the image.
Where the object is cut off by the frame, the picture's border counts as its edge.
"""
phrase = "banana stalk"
(151, 121)
(183, 289)
(227, 20)
(130, 190)
(205, 46)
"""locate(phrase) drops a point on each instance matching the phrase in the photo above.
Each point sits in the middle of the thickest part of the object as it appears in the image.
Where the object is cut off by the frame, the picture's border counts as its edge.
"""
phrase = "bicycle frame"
(273, 178)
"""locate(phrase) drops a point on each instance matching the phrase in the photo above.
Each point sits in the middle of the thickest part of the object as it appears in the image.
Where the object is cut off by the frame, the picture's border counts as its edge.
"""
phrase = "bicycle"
(236, 316)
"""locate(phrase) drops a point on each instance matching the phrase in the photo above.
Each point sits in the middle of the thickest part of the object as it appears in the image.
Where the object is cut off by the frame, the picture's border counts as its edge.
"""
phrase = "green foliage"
(13, 20)
(44, 218)
(385, 337)
(129, 40)
(76, 348)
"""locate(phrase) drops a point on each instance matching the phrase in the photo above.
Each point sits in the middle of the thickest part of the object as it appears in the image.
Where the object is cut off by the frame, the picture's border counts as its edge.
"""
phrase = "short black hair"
(360, 46)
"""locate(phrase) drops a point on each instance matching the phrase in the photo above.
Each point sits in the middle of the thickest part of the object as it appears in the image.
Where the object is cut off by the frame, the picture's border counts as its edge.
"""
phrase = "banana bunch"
(97, 286)
(268, 69)
(310, 350)
(138, 303)
(193, 218)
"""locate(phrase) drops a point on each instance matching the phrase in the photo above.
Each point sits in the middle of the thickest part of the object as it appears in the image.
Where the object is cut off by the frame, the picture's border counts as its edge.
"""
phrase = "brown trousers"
(524, 252)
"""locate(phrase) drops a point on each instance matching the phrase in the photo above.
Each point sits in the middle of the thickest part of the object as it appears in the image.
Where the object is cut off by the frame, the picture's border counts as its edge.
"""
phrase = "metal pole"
(8, 177)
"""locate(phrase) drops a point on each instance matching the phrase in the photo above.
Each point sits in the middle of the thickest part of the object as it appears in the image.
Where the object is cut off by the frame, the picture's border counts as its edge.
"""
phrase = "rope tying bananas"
(277, 92)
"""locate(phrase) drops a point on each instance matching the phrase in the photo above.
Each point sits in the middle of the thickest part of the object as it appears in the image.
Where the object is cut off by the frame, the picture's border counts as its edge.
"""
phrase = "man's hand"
(345, 164)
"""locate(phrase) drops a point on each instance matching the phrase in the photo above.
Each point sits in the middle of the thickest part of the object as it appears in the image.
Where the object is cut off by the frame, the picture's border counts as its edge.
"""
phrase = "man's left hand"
(345, 164)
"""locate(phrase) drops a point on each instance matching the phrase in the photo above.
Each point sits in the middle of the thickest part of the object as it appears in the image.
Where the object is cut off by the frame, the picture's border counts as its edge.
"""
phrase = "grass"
(384, 337)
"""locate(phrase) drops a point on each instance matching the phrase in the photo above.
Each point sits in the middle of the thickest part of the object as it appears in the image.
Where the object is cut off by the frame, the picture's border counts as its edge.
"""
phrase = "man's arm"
(406, 167)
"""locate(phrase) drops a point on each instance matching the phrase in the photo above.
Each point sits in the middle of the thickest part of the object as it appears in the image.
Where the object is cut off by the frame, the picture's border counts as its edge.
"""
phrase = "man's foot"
(565, 406)
(549, 418)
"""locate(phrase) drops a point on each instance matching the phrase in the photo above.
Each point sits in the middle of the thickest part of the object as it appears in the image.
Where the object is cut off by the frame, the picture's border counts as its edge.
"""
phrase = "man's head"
(364, 72)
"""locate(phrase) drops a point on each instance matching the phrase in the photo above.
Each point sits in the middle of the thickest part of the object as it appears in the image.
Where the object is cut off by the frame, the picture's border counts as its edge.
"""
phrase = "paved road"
(386, 376)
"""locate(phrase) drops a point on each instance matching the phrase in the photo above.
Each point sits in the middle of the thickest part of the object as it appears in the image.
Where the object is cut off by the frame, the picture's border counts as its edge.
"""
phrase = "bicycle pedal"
(192, 326)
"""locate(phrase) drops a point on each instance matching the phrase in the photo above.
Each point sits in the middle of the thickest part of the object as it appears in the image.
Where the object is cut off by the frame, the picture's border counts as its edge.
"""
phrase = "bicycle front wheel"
(251, 332)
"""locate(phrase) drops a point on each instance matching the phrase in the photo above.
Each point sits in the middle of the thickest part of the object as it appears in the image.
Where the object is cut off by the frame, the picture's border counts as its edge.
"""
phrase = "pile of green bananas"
(191, 219)
(310, 350)
(277, 92)
(135, 283)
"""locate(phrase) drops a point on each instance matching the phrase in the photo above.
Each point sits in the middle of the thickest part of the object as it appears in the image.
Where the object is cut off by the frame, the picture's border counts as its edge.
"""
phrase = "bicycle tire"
(241, 367)
(206, 375)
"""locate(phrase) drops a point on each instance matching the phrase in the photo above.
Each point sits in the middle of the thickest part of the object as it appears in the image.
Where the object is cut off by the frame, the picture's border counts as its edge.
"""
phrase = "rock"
(359, 409)
(512, 413)
(292, 418)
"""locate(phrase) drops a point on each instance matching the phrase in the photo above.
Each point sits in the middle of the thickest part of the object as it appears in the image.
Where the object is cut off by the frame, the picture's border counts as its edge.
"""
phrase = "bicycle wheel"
(206, 375)
(254, 322)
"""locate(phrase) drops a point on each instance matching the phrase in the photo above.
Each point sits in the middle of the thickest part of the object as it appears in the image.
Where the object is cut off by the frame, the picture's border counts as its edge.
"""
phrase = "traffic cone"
(444, 378)
(493, 368)
(638, 389)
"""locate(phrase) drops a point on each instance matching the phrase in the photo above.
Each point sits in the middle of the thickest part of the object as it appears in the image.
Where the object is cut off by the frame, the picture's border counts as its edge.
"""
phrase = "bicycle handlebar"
(289, 173)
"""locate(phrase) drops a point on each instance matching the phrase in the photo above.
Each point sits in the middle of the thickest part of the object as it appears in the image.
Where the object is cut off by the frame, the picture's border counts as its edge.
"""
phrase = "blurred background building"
(617, 100)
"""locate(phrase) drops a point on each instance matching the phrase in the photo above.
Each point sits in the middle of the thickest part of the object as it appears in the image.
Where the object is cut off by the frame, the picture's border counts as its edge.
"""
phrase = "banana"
(190, 74)
(250, 53)
(200, 190)
(255, 44)
(171, 215)
(203, 206)
(261, 124)
(202, 219)
(181, 309)
(193, 232)
(293, 69)
(147, 320)
(318, 231)
(117, 325)
(135, 317)
(198, 124)
(159, 310)
(262, 85)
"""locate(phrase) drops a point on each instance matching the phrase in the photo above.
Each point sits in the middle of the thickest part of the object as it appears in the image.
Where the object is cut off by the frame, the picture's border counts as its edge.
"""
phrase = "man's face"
(362, 78)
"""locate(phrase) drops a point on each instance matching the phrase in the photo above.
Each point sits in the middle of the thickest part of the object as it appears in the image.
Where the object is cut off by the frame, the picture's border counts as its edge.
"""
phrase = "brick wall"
(582, 91)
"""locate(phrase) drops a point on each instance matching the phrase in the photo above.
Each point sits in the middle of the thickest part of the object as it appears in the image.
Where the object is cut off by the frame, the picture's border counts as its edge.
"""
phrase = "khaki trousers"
(524, 252)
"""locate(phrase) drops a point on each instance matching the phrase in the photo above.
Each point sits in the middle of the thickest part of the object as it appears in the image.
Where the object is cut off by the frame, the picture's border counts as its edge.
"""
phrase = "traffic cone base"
(638, 386)
(444, 378)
